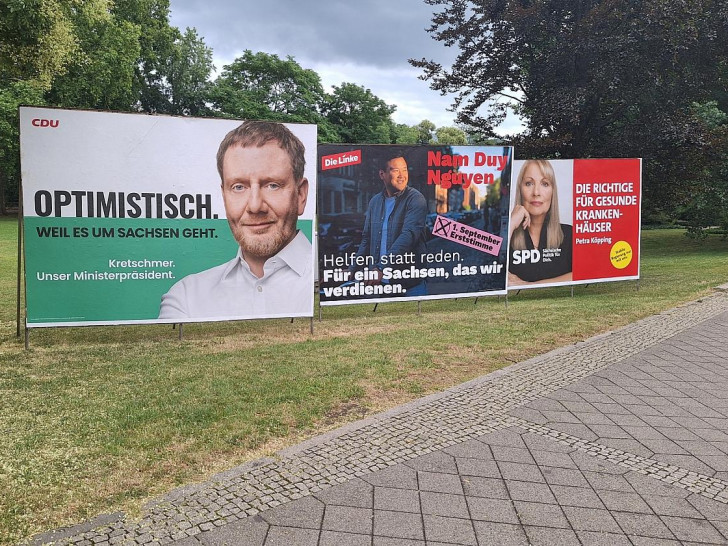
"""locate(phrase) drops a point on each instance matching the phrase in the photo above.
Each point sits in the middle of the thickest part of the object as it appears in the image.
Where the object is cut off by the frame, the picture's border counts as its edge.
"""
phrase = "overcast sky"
(367, 42)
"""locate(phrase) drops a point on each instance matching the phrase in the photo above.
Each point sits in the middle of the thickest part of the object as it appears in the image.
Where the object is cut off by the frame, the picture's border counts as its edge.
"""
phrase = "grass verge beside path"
(99, 419)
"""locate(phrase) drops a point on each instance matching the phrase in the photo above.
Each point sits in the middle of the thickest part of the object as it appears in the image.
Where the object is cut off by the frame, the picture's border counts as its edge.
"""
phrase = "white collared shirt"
(232, 291)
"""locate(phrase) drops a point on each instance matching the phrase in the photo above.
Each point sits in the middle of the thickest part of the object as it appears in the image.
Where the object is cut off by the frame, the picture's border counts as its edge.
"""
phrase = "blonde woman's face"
(536, 191)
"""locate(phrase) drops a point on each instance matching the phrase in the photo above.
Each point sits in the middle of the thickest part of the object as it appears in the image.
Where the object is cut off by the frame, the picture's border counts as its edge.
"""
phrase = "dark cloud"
(382, 33)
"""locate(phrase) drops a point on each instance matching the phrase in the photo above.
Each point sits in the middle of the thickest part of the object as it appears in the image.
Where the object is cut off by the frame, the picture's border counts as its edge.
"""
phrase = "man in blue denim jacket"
(394, 228)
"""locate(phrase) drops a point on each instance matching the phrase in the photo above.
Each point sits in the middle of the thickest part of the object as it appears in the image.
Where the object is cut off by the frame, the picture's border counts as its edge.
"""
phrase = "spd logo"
(37, 122)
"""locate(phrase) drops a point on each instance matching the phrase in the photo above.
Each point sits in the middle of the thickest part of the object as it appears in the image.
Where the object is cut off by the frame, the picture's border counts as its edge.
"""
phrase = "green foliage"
(423, 133)
(37, 40)
(264, 86)
(710, 114)
(99, 54)
(359, 116)
(597, 78)
(188, 72)
(156, 47)
(578, 70)
(451, 135)
(708, 203)
(13, 95)
(404, 134)
(425, 130)
(101, 75)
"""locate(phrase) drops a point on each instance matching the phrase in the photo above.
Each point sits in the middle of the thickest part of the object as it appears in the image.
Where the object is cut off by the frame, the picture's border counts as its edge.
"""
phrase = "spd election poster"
(574, 222)
(412, 222)
(126, 220)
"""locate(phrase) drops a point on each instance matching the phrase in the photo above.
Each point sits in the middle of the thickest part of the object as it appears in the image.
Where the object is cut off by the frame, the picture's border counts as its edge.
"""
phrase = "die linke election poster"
(131, 218)
(574, 222)
(412, 222)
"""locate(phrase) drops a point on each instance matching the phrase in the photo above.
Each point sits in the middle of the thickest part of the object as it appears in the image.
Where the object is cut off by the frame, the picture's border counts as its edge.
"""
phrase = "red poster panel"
(607, 195)
(574, 222)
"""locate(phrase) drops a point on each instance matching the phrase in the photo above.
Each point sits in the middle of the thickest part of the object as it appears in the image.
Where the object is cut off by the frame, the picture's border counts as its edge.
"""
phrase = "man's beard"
(268, 244)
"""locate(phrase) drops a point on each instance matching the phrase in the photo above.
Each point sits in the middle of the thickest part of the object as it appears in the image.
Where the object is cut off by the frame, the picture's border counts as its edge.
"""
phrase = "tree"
(101, 74)
(451, 135)
(188, 73)
(404, 134)
(129, 58)
(708, 203)
(359, 116)
(264, 86)
(37, 41)
(11, 96)
(589, 77)
(425, 132)
(120, 55)
(156, 41)
(575, 67)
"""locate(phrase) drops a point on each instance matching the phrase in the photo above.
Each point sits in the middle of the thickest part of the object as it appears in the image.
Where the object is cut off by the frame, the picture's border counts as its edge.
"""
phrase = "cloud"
(413, 99)
(382, 32)
(367, 43)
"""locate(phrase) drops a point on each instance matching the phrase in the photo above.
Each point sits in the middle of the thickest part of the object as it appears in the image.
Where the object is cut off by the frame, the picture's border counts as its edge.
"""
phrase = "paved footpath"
(621, 439)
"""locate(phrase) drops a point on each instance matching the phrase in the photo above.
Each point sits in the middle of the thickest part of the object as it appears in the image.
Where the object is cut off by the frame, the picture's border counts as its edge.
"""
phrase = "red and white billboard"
(574, 222)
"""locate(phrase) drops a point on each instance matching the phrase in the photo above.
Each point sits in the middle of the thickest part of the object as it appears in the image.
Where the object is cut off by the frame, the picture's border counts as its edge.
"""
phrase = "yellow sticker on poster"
(621, 254)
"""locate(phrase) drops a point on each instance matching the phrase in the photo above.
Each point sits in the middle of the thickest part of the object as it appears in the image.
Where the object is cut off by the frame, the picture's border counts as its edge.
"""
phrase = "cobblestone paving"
(636, 411)
(508, 487)
(695, 482)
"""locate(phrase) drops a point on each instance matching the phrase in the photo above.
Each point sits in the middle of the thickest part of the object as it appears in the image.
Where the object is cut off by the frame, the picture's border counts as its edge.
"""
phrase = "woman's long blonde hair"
(554, 234)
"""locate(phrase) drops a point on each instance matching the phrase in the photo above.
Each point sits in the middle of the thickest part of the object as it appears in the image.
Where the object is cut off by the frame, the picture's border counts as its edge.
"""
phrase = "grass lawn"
(101, 418)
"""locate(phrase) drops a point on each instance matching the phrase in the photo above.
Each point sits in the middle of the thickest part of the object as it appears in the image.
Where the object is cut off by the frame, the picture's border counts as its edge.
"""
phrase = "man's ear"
(302, 195)
(381, 175)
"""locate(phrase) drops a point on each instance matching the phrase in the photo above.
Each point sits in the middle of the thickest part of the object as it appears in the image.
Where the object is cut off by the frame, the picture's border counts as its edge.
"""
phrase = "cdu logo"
(37, 122)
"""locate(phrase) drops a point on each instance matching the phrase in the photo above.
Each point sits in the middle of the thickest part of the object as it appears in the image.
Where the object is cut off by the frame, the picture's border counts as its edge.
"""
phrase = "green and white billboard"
(119, 208)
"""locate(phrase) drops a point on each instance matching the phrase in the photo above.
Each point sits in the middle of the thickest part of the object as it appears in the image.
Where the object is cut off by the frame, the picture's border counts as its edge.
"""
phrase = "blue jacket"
(405, 229)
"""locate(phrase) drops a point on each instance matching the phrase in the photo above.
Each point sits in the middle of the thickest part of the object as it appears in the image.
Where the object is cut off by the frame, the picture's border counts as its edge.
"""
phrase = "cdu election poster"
(574, 222)
(133, 218)
(399, 223)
